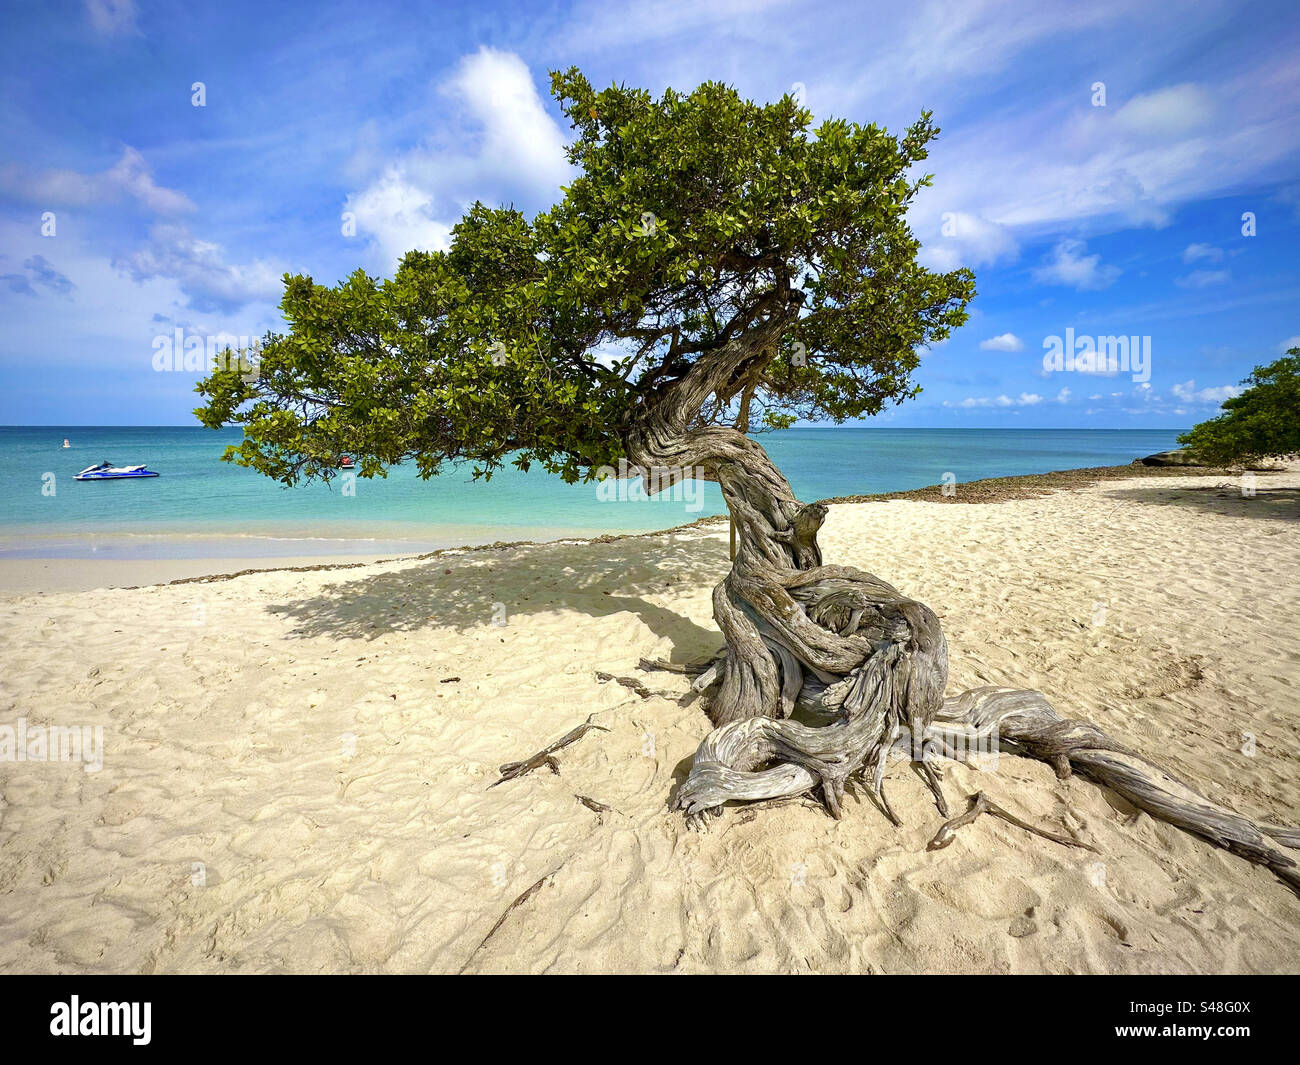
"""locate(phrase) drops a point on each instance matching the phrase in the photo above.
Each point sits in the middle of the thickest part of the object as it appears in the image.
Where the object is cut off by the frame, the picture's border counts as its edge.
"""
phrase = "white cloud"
(200, 269)
(1203, 279)
(1196, 252)
(112, 18)
(1289, 343)
(518, 137)
(1004, 342)
(1188, 393)
(1067, 265)
(1175, 110)
(398, 216)
(502, 143)
(1063, 396)
(130, 175)
(965, 240)
(1025, 399)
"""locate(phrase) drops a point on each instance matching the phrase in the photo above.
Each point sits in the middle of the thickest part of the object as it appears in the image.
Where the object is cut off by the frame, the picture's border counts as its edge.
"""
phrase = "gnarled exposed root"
(795, 758)
(982, 804)
(931, 777)
(1024, 720)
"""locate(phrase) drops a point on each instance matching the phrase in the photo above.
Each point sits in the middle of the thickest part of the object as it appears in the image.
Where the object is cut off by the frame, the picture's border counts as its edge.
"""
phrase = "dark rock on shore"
(1181, 457)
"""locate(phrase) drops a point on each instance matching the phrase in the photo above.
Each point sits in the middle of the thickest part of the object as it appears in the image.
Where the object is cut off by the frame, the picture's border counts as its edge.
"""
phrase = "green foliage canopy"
(692, 219)
(1264, 420)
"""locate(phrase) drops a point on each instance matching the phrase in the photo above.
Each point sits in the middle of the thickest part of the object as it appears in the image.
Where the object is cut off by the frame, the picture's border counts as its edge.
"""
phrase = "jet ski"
(106, 471)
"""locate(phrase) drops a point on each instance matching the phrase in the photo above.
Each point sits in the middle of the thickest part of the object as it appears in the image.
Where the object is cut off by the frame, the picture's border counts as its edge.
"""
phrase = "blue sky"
(1107, 216)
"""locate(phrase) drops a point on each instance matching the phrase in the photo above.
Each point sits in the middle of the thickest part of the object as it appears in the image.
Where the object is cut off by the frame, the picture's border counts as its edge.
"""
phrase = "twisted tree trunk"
(829, 669)
(797, 631)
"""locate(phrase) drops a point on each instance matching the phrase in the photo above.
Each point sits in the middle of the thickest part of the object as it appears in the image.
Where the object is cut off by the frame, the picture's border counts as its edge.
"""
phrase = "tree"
(1262, 421)
(714, 269)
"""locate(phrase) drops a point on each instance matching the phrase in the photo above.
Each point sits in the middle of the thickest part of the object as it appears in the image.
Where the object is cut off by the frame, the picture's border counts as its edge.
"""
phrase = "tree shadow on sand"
(469, 590)
(1273, 504)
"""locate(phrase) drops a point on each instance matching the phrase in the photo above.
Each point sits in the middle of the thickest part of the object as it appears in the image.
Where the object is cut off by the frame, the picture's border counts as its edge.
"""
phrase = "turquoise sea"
(201, 507)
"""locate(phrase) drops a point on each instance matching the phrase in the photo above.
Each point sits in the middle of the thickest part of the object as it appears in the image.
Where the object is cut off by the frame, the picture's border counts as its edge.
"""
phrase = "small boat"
(106, 471)
(65, 442)
(345, 463)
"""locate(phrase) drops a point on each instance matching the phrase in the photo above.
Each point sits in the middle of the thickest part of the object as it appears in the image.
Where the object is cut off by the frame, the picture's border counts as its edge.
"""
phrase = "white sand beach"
(19, 575)
(297, 766)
